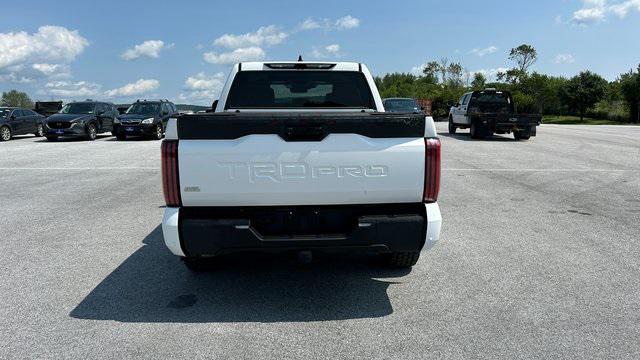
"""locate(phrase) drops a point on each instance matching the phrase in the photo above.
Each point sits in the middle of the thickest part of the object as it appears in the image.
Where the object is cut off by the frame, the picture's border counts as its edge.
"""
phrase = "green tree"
(431, 71)
(456, 72)
(16, 98)
(479, 81)
(630, 89)
(583, 91)
(524, 56)
(543, 90)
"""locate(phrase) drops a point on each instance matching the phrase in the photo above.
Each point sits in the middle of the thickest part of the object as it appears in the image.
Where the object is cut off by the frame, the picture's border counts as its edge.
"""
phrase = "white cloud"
(564, 59)
(235, 56)
(52, 71)
(310, 24)
(66, 89)
(266, 35)
(201, 81)
(588, 16)
(49, 43)
(482, 52)
(149, 48)
(343, 23)
(596, 11)
(622, 9)
(332, 50)
(202, 88)
(142, 86)
(347, 22)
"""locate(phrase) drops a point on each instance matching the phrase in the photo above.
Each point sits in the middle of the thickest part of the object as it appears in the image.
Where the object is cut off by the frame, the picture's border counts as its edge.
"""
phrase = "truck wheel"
(39, 131)
(521, 135)
(474, 131)
(196, 264)
(92, 132)
(403, 259)
(5, 133)
(452, 128)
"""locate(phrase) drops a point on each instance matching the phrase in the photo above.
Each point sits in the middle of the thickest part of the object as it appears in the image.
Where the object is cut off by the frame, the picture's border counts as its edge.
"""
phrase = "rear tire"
(197, 265)
(403, 259)
(5, 133)
(39, 131)
(52, 138)
(92, 132)
(521, 135)
(452, 127)
(473, 131)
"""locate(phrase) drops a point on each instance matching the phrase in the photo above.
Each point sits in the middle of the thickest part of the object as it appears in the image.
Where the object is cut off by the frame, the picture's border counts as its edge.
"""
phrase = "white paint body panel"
(170, 230)
(261, 170)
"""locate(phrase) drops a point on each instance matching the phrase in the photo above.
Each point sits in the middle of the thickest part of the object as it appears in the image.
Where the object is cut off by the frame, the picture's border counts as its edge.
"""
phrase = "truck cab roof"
(298, 65)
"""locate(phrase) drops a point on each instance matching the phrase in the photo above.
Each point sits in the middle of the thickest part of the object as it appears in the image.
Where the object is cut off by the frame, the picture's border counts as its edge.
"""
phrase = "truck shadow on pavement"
(152, 285)
(467, 137)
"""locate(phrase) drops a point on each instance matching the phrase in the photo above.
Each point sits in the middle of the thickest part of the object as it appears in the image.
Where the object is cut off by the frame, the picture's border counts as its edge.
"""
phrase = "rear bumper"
(516, 124)
(209, 232)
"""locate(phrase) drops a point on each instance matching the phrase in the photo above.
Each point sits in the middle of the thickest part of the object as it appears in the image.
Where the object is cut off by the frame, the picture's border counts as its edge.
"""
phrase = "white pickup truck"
(300, 156)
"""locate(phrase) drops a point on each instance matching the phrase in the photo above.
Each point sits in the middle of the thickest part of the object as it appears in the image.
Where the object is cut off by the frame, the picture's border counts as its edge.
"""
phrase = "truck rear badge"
(278, 172)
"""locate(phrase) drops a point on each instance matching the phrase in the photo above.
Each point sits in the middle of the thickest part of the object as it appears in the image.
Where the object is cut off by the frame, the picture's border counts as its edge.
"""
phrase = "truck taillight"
(431, 170)
(170, 178)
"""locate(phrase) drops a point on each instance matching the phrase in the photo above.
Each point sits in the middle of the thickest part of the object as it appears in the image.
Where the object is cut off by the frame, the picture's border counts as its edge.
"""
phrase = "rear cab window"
(300, 89)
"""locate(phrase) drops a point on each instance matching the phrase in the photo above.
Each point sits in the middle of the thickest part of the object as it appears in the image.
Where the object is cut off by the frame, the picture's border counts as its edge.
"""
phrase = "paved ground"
(539, 258)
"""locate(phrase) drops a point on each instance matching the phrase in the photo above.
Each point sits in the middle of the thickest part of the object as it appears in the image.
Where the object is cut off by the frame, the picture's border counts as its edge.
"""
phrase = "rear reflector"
(170, 178)
(431, 170)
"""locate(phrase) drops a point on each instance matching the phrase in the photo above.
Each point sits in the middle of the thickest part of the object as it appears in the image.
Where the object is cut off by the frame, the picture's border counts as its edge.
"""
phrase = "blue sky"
(121, 51)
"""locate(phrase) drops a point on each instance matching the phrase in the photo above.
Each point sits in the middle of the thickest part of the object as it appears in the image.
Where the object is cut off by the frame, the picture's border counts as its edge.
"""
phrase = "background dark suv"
(145, 118)
(81, 119)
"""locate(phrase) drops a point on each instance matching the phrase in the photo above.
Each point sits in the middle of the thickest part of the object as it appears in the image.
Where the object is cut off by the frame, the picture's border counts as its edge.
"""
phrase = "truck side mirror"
(214, 105)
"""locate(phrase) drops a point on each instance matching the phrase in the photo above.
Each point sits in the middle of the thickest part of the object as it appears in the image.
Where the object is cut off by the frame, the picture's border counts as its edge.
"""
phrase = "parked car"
(19, 121)
(490, 111)
(300, 156)
(81, 119)
(404, 105)
(145, 118)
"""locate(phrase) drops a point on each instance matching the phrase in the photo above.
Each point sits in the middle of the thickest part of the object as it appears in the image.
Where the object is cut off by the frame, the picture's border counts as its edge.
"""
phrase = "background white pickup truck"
(300, 156)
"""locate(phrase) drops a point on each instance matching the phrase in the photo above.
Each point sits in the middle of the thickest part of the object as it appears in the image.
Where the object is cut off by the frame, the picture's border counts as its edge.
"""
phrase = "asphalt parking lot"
(539, 258)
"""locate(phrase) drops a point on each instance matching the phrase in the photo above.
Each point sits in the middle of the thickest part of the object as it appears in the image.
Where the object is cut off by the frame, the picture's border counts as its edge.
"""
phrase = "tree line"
(444, 82)
(586, 94)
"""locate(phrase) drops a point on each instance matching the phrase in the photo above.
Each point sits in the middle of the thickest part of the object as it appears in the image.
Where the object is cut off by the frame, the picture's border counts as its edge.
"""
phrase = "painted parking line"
(541, 170)
(80, 168)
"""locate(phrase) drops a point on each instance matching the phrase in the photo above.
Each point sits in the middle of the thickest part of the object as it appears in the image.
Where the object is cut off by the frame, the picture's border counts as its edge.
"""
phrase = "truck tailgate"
(301, 159)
